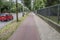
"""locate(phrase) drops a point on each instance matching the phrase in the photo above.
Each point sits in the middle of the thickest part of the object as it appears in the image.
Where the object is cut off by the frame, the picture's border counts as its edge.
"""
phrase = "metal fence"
(52, 12)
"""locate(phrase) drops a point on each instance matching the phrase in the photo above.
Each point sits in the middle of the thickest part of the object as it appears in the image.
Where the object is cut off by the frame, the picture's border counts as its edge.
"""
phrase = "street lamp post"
(17, 10)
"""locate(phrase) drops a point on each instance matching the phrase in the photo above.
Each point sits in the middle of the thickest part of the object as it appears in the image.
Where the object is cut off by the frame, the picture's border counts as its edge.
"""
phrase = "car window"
(2, 15)
(5, 14)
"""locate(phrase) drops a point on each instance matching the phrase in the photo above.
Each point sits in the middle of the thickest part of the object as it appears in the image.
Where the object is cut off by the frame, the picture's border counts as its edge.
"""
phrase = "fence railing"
(52, 13)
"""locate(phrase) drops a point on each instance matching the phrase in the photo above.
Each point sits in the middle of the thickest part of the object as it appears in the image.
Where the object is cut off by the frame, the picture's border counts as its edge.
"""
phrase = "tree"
(4, 5)
(52, 2)
(45, 3)
(0, 5)
(27, 3)
(39, 4)
(9, 6)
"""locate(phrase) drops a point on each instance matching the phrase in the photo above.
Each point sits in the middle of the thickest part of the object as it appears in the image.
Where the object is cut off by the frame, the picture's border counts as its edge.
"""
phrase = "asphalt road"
(2, 24)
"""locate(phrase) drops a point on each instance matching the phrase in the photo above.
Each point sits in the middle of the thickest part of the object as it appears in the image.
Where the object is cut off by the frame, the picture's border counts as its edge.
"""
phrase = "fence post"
(49, 12)
(58, 14)
(36, 12)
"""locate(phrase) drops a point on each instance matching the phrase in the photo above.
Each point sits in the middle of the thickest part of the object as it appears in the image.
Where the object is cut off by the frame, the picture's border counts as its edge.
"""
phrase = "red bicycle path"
(27, 30)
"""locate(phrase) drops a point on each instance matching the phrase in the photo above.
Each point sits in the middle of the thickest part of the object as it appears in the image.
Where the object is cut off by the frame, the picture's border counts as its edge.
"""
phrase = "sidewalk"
(27, 30)
(46, 31)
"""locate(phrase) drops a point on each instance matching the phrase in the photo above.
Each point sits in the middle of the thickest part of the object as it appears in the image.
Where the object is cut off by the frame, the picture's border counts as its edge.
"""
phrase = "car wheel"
(2, 20)
(7, 19)
(12, 18)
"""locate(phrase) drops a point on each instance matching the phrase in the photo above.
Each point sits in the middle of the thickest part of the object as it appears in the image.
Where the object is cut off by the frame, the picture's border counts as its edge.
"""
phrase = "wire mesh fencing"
(52, 13)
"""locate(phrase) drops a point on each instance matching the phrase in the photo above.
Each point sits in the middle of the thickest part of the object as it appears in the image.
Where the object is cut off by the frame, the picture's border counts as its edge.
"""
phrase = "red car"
(6, 17)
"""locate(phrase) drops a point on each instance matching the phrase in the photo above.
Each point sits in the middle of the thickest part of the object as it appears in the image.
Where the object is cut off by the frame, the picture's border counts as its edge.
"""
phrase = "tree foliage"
(39, 4)
(52, 2)
(9, 6)
(45, 3)
(27, 3)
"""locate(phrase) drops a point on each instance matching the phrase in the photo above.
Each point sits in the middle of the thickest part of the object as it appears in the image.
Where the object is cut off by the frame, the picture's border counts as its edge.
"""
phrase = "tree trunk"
(16, 10)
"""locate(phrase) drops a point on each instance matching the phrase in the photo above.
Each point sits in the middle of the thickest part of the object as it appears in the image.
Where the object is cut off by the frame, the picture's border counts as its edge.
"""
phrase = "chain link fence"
(52, 12)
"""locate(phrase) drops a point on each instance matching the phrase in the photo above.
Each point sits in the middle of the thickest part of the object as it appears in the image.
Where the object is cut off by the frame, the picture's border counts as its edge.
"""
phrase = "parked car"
(5, 17)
